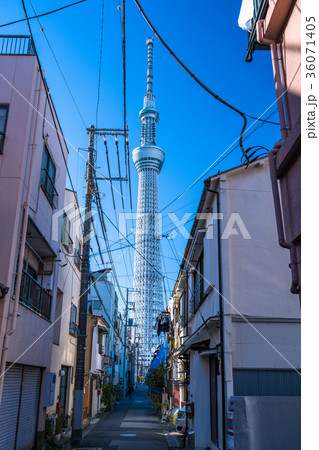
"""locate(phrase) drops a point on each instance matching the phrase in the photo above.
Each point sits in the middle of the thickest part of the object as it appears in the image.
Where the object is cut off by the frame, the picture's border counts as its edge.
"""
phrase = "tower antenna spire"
(149, 86)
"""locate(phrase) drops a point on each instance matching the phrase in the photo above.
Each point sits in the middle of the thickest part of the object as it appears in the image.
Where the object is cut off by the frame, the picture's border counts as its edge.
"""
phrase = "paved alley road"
(131, 425)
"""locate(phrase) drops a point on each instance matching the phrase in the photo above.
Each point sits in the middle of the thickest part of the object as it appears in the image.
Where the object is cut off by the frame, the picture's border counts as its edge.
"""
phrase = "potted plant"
(58, 427)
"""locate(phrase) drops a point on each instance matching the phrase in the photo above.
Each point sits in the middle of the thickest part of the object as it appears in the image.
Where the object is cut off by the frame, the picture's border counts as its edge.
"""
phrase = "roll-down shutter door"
(19, 407)
(29, 406)
(9, 409)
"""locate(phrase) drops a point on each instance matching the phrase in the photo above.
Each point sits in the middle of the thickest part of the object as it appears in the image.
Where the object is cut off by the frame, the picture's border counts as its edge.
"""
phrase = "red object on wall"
(176, 396)
(58, 406)
(190, 409)
(99, 392)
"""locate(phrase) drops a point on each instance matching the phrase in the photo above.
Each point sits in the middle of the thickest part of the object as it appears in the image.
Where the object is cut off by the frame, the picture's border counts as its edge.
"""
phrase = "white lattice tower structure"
(148, 160)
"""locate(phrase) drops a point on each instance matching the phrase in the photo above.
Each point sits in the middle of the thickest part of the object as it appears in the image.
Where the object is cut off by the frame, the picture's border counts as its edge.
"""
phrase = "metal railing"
(33, 295)
(49, 189)
(260, 9)
(16, 45)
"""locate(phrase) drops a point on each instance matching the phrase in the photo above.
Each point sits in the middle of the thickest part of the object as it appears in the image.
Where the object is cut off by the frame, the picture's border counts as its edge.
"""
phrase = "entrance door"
(213, 398)
(63, 388)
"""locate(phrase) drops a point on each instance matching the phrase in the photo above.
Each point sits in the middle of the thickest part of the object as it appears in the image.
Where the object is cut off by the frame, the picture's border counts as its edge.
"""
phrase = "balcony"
(260, 9)
(48, 188)
(16, 45)
(34, 296)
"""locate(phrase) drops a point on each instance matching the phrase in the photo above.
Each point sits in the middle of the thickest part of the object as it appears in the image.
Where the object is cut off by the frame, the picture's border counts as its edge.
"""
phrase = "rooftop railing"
(16, 45)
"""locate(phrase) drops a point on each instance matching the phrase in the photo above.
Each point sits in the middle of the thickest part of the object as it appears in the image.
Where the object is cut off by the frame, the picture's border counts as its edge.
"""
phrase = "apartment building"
(33, 157)
(103, 300)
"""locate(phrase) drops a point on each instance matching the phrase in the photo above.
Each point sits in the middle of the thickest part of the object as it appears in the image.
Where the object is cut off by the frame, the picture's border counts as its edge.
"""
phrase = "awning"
(199, 338)
(37, 241)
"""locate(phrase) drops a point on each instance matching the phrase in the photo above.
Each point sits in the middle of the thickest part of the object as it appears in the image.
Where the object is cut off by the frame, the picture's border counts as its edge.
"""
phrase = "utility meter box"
(50, 380)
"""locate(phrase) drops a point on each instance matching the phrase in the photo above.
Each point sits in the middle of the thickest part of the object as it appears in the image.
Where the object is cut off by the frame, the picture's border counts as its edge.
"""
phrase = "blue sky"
(194, 129)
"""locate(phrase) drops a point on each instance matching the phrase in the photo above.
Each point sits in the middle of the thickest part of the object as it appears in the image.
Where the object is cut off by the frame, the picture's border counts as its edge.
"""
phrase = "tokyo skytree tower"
(148, 160)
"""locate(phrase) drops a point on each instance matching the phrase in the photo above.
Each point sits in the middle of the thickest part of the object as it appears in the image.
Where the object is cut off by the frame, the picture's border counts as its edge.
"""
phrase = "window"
(48, 178)
(33, 295)
(73, 324)
(101, 341)
(77, 253)
(57, 323)
(66, 234)
(3, 123)
(199, 282)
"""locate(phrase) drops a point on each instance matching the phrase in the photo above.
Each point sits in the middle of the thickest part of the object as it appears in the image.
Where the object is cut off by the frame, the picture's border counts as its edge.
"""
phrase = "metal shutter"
(29, 405)
(9, 409)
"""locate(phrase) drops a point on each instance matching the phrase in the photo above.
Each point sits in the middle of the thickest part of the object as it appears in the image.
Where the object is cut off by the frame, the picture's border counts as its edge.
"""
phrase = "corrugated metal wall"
(266, 382)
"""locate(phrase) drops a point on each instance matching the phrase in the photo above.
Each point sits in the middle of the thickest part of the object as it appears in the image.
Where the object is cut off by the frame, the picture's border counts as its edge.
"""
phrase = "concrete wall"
(263, 423)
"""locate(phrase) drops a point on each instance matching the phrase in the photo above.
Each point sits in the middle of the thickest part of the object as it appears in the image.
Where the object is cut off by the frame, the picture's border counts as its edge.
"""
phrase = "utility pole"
(125, 333)
(85, 279)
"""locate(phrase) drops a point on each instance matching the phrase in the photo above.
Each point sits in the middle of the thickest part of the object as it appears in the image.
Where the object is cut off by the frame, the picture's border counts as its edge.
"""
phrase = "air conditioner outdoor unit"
(47, 282)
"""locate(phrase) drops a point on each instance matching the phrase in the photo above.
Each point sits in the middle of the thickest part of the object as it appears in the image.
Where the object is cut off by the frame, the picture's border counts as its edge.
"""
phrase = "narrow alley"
(132, 424)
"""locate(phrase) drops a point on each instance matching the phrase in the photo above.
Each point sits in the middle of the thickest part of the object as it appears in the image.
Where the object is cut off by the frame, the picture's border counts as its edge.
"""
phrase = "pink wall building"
(276, 24)
(33, 157)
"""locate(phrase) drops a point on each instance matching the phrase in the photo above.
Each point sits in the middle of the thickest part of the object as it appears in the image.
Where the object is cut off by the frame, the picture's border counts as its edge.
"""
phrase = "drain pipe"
(221, 309)
(295, 285)
(275, 67)
(21, 252)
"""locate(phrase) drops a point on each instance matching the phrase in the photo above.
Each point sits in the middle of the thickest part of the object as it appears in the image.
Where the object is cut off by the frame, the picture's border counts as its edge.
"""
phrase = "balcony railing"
(33, 295)
(49, 189)
(16, 45)
(260, 9)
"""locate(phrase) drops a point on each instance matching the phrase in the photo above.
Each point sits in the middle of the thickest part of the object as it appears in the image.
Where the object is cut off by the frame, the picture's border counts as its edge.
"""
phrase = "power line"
(59, 67)
(207, 89)
(126, 144)
(48, 97)
(43, 14)
(215, 164)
